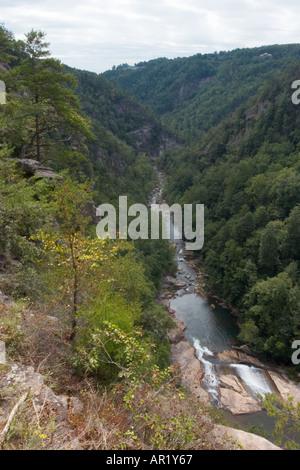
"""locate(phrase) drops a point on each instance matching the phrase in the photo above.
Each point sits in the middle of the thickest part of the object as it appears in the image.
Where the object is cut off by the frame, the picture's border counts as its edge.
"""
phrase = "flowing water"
(211, 330)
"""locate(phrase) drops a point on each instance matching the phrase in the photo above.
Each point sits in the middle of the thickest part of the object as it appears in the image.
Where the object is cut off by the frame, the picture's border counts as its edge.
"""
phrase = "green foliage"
(157, 257)
(234, 112)
(268, 255)
(195, 93)
(95, 281)
(76, 120)
(118, 111)
(47, 105)
(155, 324)
(74, 258)
(287, 416)
(245, 171)
(112, 352)
(10, 326)
(272, 308)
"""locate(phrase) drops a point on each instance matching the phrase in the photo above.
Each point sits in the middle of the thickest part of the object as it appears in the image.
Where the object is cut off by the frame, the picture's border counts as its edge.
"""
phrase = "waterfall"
(254, 379)
(210, 379)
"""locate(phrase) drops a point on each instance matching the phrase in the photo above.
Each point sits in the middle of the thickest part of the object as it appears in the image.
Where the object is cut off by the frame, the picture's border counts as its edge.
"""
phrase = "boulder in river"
(236, 356)
(234, 396)
(285, 387)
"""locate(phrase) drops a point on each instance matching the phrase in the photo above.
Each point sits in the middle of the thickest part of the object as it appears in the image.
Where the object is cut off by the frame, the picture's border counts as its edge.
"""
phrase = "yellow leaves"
(89, 254)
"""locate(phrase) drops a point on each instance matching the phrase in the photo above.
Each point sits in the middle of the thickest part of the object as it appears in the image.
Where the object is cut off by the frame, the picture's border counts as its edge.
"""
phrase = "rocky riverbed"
(231, 377)
(233, 394)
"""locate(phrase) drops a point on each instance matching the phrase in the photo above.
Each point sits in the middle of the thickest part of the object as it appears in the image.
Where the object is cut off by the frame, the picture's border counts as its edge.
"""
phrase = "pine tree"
(6, 45)
(46, 106)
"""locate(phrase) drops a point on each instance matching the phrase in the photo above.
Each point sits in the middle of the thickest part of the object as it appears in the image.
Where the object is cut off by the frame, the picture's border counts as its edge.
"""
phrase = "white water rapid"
(210, 379)
(254, 379)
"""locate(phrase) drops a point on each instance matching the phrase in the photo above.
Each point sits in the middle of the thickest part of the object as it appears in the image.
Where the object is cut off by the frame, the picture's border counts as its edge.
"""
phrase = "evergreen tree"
(48, 109)
(7, 43)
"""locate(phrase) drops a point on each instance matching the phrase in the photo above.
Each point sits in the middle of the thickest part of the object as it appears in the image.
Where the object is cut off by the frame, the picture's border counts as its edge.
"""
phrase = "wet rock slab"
(238, 357)
(184, 355)
(234, 396)
(286, 388)
(247, 441)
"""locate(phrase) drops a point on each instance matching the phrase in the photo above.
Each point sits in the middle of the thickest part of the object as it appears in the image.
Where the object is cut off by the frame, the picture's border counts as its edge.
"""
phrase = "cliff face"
(153, 140)
(120, 113)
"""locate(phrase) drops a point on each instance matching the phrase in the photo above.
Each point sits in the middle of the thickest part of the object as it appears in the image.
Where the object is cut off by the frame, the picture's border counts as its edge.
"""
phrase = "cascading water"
(210, 380)
(254, 379)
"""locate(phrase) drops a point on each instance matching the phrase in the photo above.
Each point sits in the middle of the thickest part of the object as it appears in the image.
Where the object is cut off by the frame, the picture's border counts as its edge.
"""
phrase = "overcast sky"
(96, 34)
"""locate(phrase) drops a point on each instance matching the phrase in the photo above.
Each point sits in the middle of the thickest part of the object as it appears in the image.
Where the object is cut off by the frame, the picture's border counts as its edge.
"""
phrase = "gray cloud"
(97, 34)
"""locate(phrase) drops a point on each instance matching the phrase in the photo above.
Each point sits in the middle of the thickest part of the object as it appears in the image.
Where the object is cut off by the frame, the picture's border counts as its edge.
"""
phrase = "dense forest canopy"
(65, 147)
(195, 93)
(224, 130)
(239, 130)
(237, 152)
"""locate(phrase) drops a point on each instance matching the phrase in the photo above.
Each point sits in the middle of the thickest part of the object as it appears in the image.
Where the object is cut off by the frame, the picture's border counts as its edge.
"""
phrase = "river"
(211, 330)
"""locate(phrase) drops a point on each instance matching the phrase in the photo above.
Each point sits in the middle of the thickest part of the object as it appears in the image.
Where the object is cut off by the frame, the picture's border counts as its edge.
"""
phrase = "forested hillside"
(81, 310)
(128, 136)
(246, 172)
(240, 158)
(195, 93)
(80, 314)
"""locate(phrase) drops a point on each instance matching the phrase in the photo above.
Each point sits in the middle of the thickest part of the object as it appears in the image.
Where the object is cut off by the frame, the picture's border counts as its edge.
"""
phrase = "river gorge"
(213, 364)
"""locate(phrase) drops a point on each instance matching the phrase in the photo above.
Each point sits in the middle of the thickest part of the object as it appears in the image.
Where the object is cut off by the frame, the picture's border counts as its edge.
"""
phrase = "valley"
(136, 342)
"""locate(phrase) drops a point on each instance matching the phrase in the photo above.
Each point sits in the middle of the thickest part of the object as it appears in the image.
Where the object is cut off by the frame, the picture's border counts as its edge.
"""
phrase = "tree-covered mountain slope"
(83, 311)
(128, 136)
(195, 93)
(246, 171)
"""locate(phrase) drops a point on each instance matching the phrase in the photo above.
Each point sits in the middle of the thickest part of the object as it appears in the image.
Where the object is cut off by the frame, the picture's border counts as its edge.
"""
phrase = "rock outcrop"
(32, 167)
(243, 440)
(285, 387)
(238, 356)
(183, 354)
(152, 139)
(234, 396)
(18, 380)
